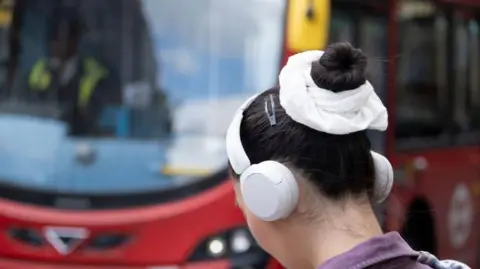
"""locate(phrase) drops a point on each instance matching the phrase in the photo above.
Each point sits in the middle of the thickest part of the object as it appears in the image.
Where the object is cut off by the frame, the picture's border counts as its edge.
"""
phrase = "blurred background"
(113, 115)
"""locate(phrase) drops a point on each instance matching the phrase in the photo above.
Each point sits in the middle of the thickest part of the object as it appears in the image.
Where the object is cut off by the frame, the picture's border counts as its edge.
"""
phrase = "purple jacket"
(388, 251)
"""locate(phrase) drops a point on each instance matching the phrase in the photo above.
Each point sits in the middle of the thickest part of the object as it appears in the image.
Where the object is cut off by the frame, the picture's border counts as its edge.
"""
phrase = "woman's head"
(337, 165)
(331, 167)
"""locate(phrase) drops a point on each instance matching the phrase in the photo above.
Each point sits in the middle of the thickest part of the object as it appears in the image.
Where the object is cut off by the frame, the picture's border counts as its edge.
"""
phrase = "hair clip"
(271, 117)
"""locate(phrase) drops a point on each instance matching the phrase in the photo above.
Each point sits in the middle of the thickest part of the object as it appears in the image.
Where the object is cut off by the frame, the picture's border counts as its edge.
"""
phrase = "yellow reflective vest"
(40, 78)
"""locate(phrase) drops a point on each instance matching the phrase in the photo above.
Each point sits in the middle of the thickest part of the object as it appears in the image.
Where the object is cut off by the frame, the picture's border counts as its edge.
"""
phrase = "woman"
(306, 175)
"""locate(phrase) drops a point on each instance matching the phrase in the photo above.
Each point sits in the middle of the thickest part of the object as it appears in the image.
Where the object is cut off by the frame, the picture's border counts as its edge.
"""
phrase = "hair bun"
(342, 67)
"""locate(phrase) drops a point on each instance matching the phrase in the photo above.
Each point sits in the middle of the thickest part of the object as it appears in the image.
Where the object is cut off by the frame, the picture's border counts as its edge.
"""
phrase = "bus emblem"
(65, 239)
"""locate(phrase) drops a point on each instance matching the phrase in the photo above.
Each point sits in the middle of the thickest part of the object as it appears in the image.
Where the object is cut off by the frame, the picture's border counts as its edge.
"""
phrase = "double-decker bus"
(113, 116)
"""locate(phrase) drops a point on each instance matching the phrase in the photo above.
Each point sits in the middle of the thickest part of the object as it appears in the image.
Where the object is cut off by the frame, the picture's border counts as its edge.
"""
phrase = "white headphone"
(269, 189)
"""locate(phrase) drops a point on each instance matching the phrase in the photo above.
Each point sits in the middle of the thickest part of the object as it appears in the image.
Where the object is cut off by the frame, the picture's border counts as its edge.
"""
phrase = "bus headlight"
(241, 241)
(230, 244)
(216, 247)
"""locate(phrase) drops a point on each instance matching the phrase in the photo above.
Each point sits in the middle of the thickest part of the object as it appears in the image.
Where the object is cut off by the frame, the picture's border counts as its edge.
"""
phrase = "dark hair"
(337, 164)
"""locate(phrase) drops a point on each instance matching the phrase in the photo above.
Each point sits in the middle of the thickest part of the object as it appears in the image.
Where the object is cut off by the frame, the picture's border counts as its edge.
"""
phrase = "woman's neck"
(336, 232)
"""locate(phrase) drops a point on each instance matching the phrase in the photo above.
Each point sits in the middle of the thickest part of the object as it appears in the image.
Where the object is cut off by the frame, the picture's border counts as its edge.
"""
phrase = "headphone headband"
(236, 153)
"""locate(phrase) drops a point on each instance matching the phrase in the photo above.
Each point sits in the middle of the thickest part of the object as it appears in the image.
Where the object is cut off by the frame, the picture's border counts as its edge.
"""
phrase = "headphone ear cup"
(383, 177)
(269, 190)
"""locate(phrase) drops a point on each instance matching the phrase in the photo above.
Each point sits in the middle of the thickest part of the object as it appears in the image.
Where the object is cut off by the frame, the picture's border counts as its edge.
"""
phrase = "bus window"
(69, 69)
(474, 71)
(465, 67)
(421, 74)
(369, 33)
(373, 41)
(139, 83)
(460, 68)
(342, 27)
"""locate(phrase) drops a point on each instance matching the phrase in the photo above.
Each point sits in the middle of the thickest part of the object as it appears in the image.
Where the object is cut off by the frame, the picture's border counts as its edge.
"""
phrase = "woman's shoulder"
(388, 251)
(382, 251)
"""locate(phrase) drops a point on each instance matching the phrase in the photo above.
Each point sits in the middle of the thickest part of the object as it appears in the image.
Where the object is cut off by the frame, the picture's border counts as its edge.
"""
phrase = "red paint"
(152, 229)
(20, 264)
(447, 167)
(162, 234)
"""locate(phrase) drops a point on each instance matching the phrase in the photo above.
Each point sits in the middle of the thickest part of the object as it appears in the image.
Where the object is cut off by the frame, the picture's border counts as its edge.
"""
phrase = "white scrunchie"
(323, 110)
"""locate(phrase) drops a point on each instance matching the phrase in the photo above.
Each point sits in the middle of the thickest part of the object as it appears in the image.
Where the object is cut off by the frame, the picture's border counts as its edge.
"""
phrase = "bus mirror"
(307, 24)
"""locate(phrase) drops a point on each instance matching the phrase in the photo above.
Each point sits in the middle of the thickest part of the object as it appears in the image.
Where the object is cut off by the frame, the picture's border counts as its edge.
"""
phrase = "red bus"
(143, 182)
